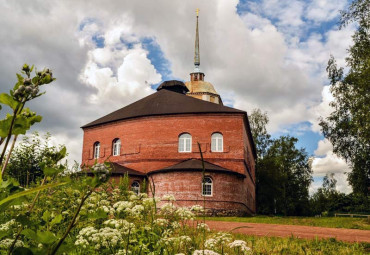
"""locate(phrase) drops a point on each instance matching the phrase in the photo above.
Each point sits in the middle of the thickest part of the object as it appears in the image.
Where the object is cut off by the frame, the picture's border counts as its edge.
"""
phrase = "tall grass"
(330, 222)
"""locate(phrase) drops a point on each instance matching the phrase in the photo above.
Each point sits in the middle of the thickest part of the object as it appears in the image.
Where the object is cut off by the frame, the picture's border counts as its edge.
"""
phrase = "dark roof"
(163, 102)
(174, 85)
(195, 165)
(121, 170)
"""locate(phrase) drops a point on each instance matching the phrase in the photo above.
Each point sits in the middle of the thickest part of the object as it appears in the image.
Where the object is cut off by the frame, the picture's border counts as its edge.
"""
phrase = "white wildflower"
(175, 225)
(218, 240)
(211, 243)
(123, 252)
(123, 226)
(133, 197)
(197, 208)
(169, 197)
(8, 225)
(184, 213)
(183, 240)
(107, 237)
(137, 210)
(205, 252)
(161, 222)
(6, 243)
(240, 245)
(122, 205)
(168, 208)
(202, 226)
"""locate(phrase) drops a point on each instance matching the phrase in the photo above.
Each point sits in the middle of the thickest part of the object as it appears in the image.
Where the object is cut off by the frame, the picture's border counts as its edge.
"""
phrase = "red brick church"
(156, 139)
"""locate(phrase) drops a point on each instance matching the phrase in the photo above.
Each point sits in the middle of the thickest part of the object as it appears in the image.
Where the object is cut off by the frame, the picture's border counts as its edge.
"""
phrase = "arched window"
(185, 142)
(135, 187)
(96, 150)
(207, 186)
(217, 142)
(116, 147)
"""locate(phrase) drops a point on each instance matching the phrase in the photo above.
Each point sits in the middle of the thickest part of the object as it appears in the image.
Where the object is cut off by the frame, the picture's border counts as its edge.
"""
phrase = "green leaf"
(35, 80)
(32, 120)
(24, 220)
(46, 216)
(8, 100)
(47, 79)
(4, 127)
(30, 191)
(2, 234)
(62, 153)
(30, 234)
(98, 214)
(23, 123)
(22, 251)
(50, 171)
(56, 220)
(20, 78)
(46, 237)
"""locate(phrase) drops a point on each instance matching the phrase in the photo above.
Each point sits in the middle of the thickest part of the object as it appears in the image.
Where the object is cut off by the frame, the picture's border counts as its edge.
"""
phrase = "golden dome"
(200, 87)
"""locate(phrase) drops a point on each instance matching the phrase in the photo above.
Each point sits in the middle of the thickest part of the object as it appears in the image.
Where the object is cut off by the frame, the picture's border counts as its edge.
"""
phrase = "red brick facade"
(151, 143)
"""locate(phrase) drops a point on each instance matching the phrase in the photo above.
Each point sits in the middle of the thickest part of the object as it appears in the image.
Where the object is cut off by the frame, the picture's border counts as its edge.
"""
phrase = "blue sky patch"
(158, 60)
(98, 40)
(306, 137)
(307, 28)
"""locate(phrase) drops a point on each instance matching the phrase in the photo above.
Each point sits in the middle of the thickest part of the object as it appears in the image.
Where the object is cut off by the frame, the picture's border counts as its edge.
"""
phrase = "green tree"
(283, 172)
(328, 200)
(24, 163)
(289, 173)
(258, 121)
(325, 199)
(348, 126)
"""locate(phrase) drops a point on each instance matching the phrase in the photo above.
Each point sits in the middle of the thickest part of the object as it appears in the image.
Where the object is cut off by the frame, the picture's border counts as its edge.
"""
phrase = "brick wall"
(229, 191)
(151, 143)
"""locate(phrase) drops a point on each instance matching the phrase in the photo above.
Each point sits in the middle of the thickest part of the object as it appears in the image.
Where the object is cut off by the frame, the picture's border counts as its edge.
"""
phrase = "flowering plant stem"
(29, 211)
(8, 156)
(204, 197)
(71, 224)
(16, 111)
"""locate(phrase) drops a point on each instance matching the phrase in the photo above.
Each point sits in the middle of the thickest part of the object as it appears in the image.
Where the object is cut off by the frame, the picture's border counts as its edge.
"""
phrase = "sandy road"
(260, 229)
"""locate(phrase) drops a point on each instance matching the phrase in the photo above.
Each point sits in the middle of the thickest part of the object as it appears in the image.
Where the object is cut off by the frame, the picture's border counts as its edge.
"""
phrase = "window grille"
(207, 186)
(185, 142)
(217, 142)
(116, 147)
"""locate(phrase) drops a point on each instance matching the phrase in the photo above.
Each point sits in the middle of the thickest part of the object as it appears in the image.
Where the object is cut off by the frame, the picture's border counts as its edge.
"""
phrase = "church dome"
(200, 87)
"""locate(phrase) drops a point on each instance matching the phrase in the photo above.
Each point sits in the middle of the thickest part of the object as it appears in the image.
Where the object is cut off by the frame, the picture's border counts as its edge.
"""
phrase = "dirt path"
(260, 229)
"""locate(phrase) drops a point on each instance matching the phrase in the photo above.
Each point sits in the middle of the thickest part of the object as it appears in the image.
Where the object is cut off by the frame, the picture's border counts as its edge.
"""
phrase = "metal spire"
(196, 53)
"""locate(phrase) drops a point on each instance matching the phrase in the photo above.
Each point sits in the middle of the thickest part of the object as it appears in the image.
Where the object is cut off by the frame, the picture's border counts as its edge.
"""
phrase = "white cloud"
(327, 162)
(324, 147)
(324, 10)
(258, 59)
(132, 80)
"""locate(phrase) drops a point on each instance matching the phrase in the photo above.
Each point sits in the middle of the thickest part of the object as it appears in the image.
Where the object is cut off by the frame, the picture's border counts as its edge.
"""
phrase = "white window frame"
(217, 142)
(135, 187)
(207, 184)
(185, 142)
(116, 147)
(96, 150)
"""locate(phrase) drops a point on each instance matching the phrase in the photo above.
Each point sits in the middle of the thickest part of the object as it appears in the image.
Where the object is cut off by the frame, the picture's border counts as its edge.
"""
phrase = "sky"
(267, 54)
